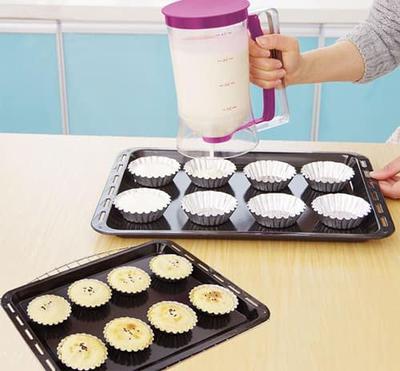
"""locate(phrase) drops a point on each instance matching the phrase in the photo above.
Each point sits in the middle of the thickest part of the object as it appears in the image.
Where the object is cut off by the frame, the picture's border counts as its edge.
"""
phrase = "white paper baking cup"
(113, 333)
(142, 205)
(165, 323)
(49, 310)
(171, 267)
(327, 176)
(128, 280)
(154, 171)
(170, 340)
(276, 210)
(69, 354)
(209, 208)
(89, 293)
(269, 175)
(209, 172)
(341, 210)
(223, 302)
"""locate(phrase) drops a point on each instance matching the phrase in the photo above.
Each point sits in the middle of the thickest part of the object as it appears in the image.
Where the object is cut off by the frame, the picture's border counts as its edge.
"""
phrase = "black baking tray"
(167, 349)
(174, 223)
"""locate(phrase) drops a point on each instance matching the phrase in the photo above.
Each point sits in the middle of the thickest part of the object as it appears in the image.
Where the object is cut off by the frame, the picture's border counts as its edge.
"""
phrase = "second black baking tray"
(166, 349)
(107, 219)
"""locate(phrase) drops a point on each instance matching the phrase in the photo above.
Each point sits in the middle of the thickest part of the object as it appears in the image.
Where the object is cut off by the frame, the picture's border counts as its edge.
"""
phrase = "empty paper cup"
(209, 172)
(154, 171)
(276, 210)
(340, 210)
(327, 176)
(142, 205)
(269, 175)
(209, 208)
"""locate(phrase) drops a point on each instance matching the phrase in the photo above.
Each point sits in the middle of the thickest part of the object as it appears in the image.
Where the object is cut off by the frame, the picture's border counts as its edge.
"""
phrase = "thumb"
(278, 42)
(391, 169)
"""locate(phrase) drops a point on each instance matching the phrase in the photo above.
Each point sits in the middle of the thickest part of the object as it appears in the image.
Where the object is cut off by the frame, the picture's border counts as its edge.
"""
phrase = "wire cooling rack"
(78, 262)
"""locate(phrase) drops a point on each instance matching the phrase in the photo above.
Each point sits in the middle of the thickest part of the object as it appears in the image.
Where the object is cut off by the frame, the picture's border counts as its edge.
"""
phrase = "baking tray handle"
(376, 197)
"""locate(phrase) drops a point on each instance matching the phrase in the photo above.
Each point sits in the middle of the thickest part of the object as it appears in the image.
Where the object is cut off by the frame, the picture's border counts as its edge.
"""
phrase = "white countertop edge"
(144, 14)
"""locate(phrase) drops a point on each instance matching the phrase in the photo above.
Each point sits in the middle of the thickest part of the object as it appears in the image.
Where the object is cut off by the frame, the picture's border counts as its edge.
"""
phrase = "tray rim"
(371, 187)
(17, 316)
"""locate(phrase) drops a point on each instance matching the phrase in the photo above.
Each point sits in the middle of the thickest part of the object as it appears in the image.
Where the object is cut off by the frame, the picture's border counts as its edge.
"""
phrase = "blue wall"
(120, 85)
(123, 85)
(29, 90)
(360, 112)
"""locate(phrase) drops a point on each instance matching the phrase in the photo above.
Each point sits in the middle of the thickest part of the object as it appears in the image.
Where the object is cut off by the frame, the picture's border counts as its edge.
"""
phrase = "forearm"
(378, 39)
(339, 62)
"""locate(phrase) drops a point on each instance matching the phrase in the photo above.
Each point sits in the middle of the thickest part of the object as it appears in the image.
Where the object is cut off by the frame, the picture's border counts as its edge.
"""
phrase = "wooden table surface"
(334, 306)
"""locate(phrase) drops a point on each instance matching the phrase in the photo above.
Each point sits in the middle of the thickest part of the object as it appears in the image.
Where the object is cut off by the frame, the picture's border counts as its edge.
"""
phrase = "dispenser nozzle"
(214, 140)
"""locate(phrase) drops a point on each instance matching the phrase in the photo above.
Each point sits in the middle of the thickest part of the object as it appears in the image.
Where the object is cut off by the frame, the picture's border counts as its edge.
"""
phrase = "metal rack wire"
(77, 263)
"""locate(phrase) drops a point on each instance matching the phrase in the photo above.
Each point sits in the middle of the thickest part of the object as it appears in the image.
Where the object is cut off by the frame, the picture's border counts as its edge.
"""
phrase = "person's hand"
(267, 72)
(388, 178)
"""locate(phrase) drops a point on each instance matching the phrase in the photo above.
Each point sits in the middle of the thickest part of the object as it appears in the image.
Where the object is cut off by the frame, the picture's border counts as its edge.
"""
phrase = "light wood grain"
(335, 306)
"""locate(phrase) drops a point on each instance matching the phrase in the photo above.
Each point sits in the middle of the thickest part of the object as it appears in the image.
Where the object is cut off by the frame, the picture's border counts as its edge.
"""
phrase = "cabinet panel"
(29, 90)
(120, 85)
(360, 112)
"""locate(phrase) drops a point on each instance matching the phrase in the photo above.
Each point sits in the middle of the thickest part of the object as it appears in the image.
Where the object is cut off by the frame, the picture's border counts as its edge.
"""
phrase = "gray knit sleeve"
(378, 39)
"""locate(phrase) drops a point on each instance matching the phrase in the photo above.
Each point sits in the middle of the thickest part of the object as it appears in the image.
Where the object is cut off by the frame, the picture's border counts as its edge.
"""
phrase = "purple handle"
(255, 29)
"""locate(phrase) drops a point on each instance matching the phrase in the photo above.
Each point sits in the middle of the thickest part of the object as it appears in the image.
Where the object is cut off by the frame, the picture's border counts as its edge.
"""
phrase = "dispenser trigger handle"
(254, 26)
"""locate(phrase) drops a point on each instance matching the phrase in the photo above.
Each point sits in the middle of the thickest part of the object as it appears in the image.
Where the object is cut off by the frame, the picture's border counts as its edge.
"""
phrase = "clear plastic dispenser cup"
(209, 50)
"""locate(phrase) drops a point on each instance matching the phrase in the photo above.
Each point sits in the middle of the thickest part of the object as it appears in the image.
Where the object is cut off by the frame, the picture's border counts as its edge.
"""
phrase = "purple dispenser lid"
(199, 14)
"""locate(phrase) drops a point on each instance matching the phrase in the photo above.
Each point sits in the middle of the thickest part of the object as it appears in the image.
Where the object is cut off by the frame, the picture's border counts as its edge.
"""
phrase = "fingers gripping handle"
(273, 24)
(256, 31)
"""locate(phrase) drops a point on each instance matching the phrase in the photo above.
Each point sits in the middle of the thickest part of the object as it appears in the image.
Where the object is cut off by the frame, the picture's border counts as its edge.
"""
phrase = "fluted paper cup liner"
(341, 210)
(172, 317)
(213, 322)
(171, 267)
(269, 175)
(142, 205)
(82, 351)
(209, 172)
(276, 210)
(128, 280)
(327, 176)
(89, 293)
(213, 299)
(49, 310)
(130, 359)
(128, 334)
(154, 171)
(209, 208)
(169, 340)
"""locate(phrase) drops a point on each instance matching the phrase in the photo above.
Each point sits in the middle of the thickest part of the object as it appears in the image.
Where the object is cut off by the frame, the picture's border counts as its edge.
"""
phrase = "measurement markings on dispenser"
(230, 108)
(225, 59)
(226, 84)
(223, 34)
